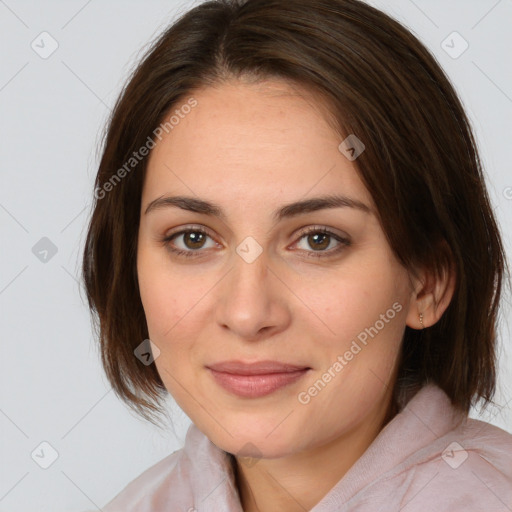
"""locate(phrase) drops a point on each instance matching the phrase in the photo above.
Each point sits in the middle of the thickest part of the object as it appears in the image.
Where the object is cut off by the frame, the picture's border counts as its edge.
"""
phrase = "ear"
(431, 296)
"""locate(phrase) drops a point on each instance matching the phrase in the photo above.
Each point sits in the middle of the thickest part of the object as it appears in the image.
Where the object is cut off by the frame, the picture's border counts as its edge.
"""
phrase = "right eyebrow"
(287, 211)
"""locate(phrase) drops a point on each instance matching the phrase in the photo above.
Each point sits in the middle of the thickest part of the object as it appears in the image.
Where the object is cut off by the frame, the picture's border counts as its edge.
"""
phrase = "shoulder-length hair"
(420, 166)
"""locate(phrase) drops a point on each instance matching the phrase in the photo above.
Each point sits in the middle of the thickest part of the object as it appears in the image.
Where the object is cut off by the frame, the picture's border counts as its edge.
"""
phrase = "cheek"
(173, 306)
(159, 303)
(358, 300)
(169, 326)
(365, 312)
(163, 306)
(167, 296)
(359, 361)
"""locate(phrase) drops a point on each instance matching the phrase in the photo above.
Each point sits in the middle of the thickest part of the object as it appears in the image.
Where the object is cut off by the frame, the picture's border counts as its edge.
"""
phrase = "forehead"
(248, 142)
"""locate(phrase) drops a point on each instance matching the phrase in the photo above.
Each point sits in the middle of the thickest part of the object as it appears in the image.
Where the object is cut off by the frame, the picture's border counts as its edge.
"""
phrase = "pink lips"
(254, 380)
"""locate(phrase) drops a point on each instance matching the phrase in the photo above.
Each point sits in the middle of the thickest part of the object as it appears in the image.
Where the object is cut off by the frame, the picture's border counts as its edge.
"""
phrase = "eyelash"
(344, 242)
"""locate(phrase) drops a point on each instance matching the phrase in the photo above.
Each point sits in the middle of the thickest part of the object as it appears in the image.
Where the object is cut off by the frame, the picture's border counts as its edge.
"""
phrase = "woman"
(293, 238)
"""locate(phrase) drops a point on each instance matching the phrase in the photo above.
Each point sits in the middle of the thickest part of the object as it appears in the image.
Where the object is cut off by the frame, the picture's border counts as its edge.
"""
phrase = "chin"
(259, 449)
(249, 441)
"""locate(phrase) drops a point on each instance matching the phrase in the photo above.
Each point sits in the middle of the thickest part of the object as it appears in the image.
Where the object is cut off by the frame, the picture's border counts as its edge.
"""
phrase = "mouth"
(254, 380)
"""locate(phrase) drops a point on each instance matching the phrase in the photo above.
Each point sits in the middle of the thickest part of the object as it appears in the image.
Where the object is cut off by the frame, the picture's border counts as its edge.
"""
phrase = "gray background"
(52, 112)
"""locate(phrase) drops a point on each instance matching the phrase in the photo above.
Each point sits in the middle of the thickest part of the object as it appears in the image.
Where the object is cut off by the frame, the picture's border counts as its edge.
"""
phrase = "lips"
(253, 380)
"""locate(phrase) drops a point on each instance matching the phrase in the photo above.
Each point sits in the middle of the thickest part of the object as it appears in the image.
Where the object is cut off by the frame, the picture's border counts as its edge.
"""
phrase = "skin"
(252, 148)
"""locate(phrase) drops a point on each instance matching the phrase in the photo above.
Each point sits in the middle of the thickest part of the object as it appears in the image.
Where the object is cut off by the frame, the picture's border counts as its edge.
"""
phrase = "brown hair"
(420, 165)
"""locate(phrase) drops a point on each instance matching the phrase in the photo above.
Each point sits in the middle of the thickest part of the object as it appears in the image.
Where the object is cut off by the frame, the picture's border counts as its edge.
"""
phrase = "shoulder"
(142, 493)
(469, 469)
(432, 456)
(180, 479)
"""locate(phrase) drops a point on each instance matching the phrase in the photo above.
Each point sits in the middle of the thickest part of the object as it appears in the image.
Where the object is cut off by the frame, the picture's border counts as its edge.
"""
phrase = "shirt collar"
(427, 416)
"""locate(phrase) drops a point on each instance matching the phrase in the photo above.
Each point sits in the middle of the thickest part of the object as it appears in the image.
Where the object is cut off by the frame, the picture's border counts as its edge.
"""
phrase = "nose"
(252, 301)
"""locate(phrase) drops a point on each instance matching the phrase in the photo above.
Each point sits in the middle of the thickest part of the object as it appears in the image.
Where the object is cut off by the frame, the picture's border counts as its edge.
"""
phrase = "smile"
(257, 379)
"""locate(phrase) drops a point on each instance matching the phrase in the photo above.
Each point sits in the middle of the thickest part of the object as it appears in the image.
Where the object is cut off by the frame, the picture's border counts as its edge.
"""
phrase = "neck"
(297, 482)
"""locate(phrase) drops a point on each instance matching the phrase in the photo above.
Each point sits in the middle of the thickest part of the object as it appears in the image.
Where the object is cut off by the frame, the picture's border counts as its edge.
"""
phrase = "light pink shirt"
(428, 458)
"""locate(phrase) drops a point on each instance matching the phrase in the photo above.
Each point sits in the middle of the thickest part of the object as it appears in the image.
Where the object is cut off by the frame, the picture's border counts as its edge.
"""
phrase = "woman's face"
(252, 285)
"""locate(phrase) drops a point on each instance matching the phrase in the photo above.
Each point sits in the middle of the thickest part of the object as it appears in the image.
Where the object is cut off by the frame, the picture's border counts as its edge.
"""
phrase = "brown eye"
(194, 239)
(188, 242)
(320, 240)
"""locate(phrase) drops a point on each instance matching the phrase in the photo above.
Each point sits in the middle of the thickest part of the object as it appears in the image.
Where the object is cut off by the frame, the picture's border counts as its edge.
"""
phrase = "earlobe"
(421, 321)
(430, 299)
(420, 311)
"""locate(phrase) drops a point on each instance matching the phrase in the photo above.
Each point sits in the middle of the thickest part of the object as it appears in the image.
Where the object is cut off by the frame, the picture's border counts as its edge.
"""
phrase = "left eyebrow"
(287, 211)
